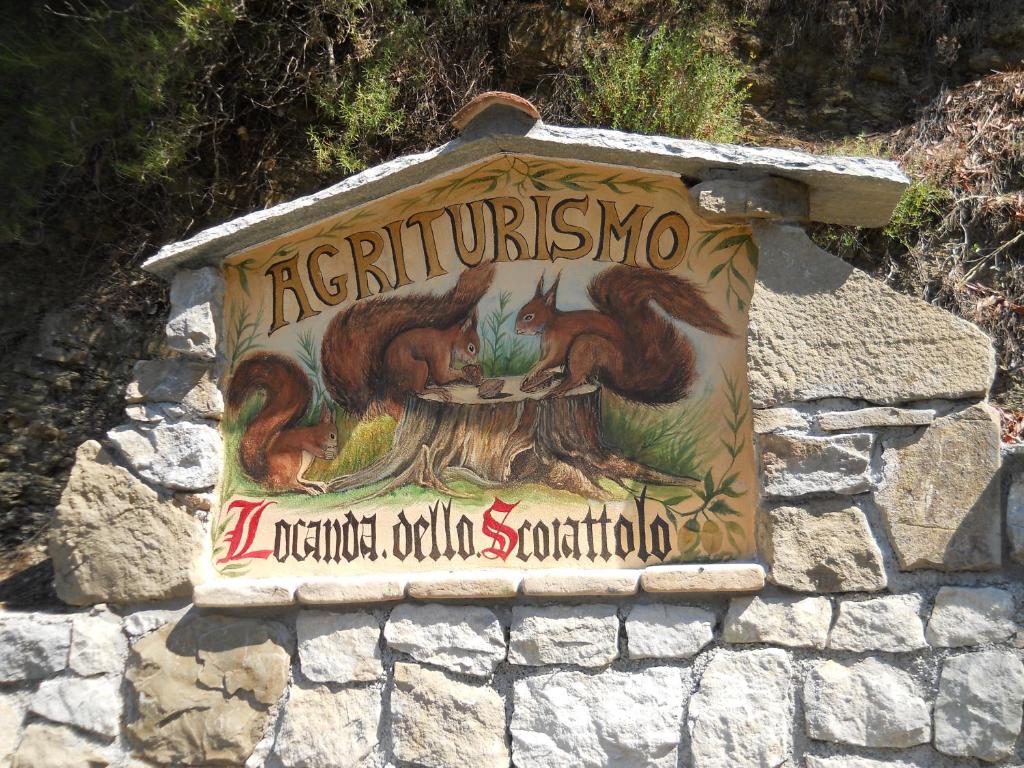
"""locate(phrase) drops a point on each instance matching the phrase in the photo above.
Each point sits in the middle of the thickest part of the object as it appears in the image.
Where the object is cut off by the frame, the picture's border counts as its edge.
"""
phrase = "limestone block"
(248, 593)
(345, 590)
(798, 465)
(338, 647)
(965, 616)
(768, 420)
(1015, 518)
(820, 328)
(867, 704)
(794, 622)
(570, 719)
(892, 624)
(581, 582)
(181, 455)
(837, 421)
(854, 762)
(98, 646)
(659, 631)
(139, 623)
(587, 635)
(115, 540)
(12, 713)
(821, 547)
(466, 585)
(202, 686)
(939, 518)
(197, 298)
(177, 380)
(742, 713)
(32, 645)
(322, 728)
(978, 709)
(440, 723)
(52, 746)
(90, 703)
(467, 639)
(769, 197)
(717, 578)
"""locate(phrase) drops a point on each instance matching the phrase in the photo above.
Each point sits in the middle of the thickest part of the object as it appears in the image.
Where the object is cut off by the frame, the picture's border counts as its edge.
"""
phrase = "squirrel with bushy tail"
(374, 356)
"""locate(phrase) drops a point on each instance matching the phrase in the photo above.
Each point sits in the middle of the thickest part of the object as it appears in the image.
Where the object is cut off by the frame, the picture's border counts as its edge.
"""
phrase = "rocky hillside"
(129, 125)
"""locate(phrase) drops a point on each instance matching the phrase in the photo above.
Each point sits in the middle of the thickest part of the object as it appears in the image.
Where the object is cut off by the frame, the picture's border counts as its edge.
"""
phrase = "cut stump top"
(468, 394)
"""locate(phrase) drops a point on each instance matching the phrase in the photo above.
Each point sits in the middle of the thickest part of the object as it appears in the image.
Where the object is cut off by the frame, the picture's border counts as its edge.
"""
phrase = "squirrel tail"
(352, 353)
(287, 393)
(662, 360)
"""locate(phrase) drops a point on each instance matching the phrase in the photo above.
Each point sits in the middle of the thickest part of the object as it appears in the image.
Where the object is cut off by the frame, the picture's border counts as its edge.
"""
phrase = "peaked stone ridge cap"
(859, 191)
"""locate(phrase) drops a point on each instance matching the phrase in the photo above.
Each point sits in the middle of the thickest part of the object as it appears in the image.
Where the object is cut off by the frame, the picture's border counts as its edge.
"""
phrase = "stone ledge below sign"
(718, 578)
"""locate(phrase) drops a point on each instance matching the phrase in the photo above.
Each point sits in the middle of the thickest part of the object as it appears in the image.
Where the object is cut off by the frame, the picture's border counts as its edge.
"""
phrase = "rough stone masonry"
(888, 634)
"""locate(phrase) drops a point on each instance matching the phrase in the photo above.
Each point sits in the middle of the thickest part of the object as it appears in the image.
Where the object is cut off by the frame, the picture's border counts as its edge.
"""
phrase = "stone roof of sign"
(860, 191)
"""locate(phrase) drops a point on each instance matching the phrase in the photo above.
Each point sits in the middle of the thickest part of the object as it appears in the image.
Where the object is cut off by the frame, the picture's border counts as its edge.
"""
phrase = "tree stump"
(514, 437)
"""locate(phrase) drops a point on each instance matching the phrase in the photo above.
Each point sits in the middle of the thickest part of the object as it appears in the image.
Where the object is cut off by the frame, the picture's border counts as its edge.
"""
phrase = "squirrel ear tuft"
(469, 322)
(549, 297)
(540, 287)
(325, 414)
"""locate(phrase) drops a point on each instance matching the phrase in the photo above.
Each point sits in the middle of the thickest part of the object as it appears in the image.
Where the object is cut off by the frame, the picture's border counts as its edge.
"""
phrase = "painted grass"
(502, 353)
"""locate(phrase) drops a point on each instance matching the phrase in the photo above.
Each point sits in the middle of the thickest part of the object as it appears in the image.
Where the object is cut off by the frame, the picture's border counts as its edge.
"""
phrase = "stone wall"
(888, 633)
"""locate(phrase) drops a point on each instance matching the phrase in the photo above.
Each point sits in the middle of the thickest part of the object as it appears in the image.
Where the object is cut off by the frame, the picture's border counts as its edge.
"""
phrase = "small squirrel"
(274, 451)
(625, 344)
(377, 353)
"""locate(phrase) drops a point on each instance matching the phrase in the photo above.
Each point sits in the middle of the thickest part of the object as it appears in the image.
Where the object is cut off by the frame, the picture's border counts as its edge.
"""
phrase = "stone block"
(203, 686)
(323, 728)
(90, 703)
(571, 719)
(347, 590)
(659, 631)
(180, 455)
(438, 722)
(583, 582)
(867, 704)
(891, 624)
(32, 646)
(939, 518)
(177, 380)
(838, 421)
(978, 709)
(98, 646)
(820, 328)
(115, 540)
(822, 546)
(801, 465)
(769, 197)
(794, 622)
(716, 578)
(52, 746)
(338, 647)
(468, 640)
(767, 420)
(965, 616)
(140, 623)
(854, 762)
(244, 593)
(1015, 518)
(197, 298)
(587, 635)
(742, 713)
(12, 714)
(464, 585)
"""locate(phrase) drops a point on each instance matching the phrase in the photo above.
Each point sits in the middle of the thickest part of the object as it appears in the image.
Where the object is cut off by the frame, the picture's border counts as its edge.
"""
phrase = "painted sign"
(524, 363)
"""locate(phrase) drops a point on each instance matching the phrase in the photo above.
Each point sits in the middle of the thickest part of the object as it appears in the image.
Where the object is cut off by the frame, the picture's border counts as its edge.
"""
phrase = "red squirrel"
(625, 344)
(374, 355)
(274, 450)
(377, 353)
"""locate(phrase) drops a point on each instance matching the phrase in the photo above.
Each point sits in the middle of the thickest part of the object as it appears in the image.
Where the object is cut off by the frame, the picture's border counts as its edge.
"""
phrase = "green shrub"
(920, 206)
(669, 84)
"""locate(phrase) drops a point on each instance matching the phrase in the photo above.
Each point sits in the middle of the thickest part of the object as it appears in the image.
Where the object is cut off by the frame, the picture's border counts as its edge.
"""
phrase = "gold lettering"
(628, 228)
(316, 277)
(469, 257)
(675, 225)
(585, 241)
(394, 230)
(505, 228)
(285, 277)
(425, 220)
(540, 243)
(365, 262)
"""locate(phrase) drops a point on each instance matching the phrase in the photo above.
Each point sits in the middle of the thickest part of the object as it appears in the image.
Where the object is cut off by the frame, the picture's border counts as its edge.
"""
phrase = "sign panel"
(525, 363)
